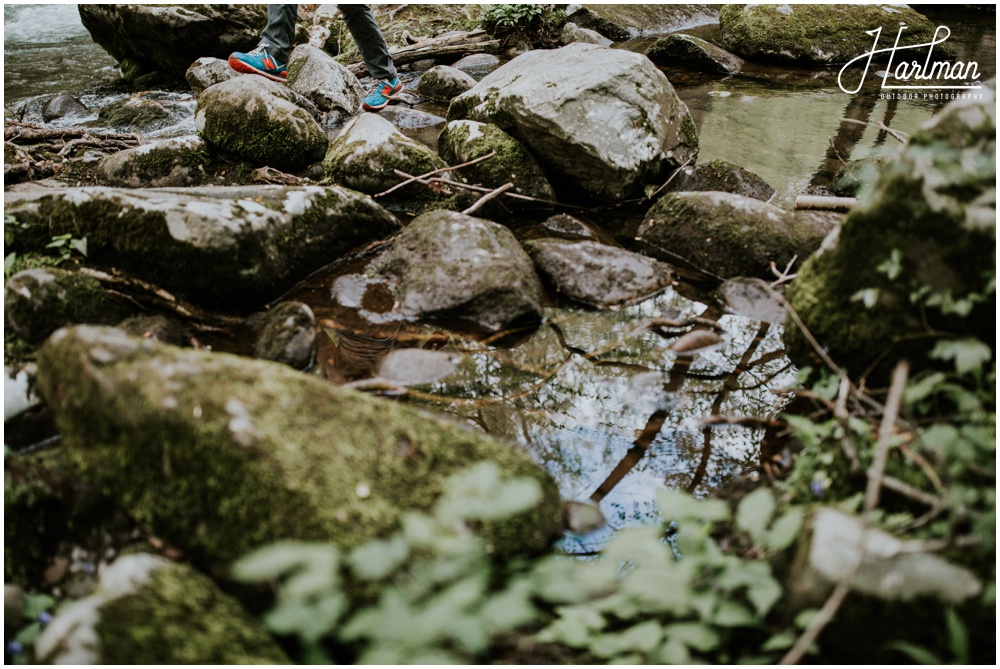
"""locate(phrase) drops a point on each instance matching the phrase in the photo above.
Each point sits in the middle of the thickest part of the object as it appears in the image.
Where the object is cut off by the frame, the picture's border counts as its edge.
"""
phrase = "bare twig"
(437, 171)
(876, 472)
(824, 203)
(486, 198)
(785, 276)
(840, 412)
(807, 334)
(901, 136)
(671, 178)
(482, 189)
(743, 421)
(906, 490)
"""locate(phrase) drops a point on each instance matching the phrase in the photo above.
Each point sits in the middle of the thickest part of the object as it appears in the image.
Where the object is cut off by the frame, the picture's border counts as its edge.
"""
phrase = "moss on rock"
(221, 454)
(172, 162)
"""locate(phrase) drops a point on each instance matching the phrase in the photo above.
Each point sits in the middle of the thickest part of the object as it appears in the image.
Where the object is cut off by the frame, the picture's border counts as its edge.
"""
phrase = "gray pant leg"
(361, 22)
(280, 30)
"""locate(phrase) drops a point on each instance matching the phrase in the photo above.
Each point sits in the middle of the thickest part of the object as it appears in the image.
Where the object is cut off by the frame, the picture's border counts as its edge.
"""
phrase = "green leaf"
(754, 513)
(919, 390)
(782, 641)
(916, 653)
(893, 265)
(684, 506)
(29, 634)
(732, 614)
(80, 245)
(785, 530)
(280, 558)
(698, 636)
(969, 354)
(763, 594)
(33, 605)
(379, 558)
(674, 652)
(958, 637)
(867, 296)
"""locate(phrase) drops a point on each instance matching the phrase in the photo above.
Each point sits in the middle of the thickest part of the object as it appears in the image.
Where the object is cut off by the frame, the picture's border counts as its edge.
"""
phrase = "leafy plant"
(533, 25)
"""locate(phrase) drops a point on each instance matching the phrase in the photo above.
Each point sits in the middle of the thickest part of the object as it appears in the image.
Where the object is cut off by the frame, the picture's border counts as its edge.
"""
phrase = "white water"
(40, 24)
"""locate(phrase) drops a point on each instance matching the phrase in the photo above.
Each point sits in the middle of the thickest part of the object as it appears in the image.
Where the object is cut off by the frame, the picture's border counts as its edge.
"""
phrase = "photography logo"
(931, 79)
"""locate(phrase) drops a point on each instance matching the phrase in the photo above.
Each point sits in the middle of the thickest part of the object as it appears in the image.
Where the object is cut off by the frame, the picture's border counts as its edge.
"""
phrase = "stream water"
(605, 406)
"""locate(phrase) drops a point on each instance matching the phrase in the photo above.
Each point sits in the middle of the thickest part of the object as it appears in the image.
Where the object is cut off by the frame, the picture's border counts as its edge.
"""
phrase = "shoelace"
(258, 51)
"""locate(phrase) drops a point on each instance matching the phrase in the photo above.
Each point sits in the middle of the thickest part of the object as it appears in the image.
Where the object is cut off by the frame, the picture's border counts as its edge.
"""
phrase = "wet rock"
(462, 141)
(724, 176)
(259, 120)
(693, 52)
(625, 21)
(168, 38)
(367, 151)
(573, 33)
(934, 221)
(835, 541)
(728, 235)
(422, 65)
(603, 122)
(179, 161)
(286, 334)
(753, 299)
(273, 453)
(478, 65)
(324, 81)
(18, 391)
(416, 367)
(140, 113)
(444, 83)
(449, 265)
(597, 274)
(207, 71)
(248, 244)
(816, 33)
(158, 328)
(150, 610)
(37, 302)
(62, 105)
(566, 225)
(409, 119)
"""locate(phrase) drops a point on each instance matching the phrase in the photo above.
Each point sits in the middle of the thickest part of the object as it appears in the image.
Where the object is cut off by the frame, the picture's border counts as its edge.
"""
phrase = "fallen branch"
(876, 472)
(824, 203)
(459, 44)
(783, 277)
(486, 198)
(671, 177)
(481, 189)
(901, 136)
(437, 171)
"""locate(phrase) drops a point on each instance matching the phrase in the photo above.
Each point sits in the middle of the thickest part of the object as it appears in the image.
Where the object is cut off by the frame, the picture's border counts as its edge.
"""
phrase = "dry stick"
(808, 335)
(786, 276)
(901, 136)
(824, 203)
(840, 413)
(671, 178)
(482, 189)
(885, 431)
(437, 171)
(486, 198)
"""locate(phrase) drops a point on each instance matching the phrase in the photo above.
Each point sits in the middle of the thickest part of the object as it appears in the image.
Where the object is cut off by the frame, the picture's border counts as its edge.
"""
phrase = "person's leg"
(270, 58)
(280, 30)
(361, 22)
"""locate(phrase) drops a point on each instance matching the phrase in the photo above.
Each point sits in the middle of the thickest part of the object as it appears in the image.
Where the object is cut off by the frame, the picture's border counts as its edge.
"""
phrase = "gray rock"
(180, 161)
(144, 113)
(367, 151)
(248, 244)
(574, 33)
(259, 120)
(61, 105)
(423, 65)
(286, 334)
(816, 33)
(449, 265)
(566, 225)
(889, 569)
(463, 141)
(409, 119)
(37, 302)
(728, 235)
(324, 81)
(724, 176)
(444, 83)
(141, 597)
(206, 72)
(158, 328)
(273, 453)
(168, 38)
(625, 21)
(693, 52)
(604, 122)
(597, 274)
(751, 298)
(478, 64)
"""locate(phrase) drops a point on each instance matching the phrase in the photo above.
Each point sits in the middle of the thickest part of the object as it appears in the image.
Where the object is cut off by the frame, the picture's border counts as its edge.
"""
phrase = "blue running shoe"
(381, 93)
(259, 61)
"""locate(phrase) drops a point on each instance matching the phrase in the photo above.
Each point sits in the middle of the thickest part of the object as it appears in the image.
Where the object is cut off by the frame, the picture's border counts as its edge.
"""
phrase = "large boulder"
(179, 161)
(602, 122)
(597, 274)
(625, 21)
(729, 235)
(234, 247)
(150, 610)
(463, 141)
(695, 53)
(168, 38)
(817, 33)
(914, 255)
(449, 265)
(324, 81)
(220, 454)
(39, 301)
(261, 121)
(368, 149)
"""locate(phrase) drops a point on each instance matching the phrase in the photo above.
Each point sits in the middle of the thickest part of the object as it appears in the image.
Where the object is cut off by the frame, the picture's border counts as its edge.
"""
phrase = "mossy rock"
(179, 161)
(693, 52)
(817, 33)
(220, 454)
(153, 611)
(724, 176)
(285, 334)
(927, 226)
(444, 83)
(135, 114)
(463, 141)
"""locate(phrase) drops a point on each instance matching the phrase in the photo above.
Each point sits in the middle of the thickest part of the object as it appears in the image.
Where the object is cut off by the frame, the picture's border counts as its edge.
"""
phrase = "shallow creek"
(600, 401)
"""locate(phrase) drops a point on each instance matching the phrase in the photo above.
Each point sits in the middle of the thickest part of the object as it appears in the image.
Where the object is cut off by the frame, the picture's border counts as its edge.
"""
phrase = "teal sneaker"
(259, 61)
(381, 93)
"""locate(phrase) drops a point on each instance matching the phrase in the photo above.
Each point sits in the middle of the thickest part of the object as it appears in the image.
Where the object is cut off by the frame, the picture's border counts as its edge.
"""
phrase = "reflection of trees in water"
(620, 416)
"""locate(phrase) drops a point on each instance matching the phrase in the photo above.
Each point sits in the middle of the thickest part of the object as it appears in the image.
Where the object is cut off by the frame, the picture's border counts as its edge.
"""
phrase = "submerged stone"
(220, 454)
(61, 105)
(150, 610)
